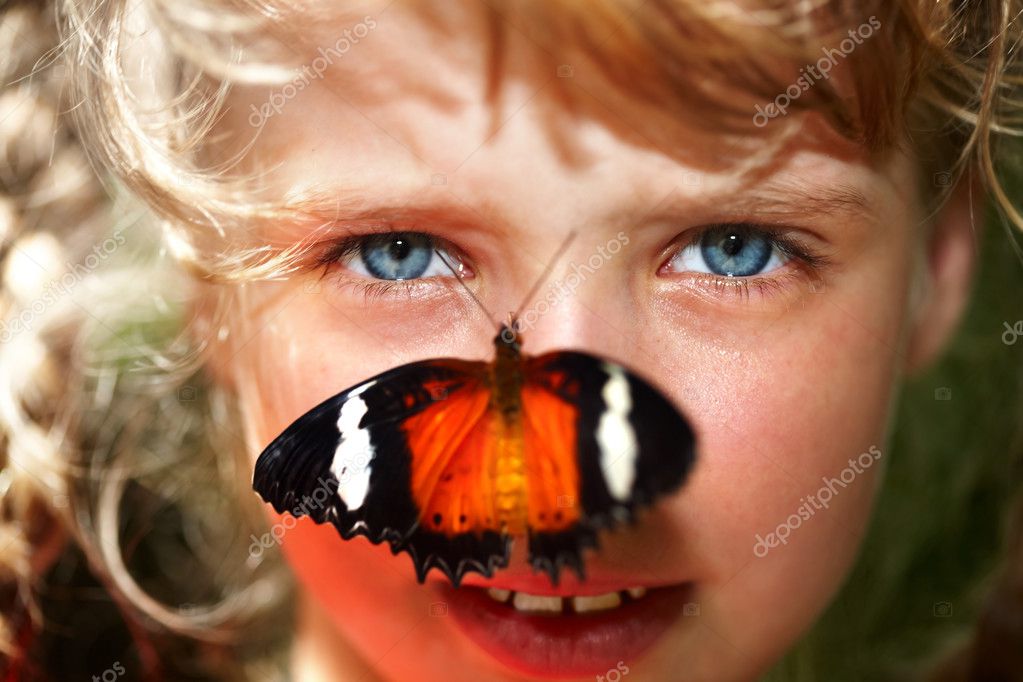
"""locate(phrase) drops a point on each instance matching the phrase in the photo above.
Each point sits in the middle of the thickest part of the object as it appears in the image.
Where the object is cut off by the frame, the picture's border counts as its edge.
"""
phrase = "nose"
(585, 303)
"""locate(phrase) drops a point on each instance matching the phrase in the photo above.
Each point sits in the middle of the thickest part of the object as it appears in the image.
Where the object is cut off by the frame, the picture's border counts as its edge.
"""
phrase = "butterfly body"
(449, 460)
(508, 466)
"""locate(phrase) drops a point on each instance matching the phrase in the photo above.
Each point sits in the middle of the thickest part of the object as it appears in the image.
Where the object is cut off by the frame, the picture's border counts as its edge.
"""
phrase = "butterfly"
(449, 460)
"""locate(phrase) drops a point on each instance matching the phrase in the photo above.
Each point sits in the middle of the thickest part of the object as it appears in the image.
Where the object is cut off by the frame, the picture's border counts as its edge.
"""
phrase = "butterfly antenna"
(545, 274)
(465, 286)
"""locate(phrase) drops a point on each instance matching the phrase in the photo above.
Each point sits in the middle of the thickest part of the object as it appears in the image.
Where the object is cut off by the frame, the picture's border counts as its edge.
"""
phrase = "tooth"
(535, 602)
(636, 592)
(498, 594)
(597, 602)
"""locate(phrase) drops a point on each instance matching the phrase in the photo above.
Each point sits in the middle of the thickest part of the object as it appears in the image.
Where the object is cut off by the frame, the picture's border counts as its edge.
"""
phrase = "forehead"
(439, 87)
(654, 50)
(401, 116)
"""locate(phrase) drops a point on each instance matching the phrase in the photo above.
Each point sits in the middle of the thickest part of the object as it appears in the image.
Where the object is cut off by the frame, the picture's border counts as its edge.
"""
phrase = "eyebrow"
(778, 200)
(798, 198)
(392, 216)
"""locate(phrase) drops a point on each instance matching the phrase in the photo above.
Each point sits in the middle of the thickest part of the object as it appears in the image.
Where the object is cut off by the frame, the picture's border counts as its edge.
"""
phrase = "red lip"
(568, 645)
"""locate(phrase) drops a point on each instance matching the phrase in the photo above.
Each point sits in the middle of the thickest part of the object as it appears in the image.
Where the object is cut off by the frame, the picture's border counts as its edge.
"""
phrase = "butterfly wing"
(600, 443)
(455, 484)
(370, 461)
(413, 457)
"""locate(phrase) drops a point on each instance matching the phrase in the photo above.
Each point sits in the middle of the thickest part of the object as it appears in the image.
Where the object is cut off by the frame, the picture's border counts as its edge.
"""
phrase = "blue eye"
(397, 256)
(731, 251)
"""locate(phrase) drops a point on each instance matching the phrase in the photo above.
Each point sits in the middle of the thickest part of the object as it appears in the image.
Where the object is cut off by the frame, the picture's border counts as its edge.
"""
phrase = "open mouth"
(540, 604)
(565, 635)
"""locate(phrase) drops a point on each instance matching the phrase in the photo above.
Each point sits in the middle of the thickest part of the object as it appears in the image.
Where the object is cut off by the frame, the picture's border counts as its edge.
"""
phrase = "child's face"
(785, 380)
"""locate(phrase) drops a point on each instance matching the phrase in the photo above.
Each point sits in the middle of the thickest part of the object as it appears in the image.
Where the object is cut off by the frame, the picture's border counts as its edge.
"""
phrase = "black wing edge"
(550, 553)
(456, 556)
(666, 456)
(293, 475)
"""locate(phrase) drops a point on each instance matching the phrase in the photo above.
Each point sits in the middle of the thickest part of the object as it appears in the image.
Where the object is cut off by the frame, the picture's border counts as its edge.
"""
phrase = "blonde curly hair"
(114, 221)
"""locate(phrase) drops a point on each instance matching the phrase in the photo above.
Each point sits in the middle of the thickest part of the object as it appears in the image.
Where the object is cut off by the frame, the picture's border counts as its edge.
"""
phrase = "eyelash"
(808, 265)
(347, 247)
(378, 288)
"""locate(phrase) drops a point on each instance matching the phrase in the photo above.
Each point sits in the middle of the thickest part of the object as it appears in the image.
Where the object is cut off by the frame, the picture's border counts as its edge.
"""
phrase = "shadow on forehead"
(683, 78)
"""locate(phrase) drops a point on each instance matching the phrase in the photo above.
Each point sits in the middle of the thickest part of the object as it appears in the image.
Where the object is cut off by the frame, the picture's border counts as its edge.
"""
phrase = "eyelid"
(340, 250)
(751, 290)
(337, 250)
(805, 267)
(781, 236)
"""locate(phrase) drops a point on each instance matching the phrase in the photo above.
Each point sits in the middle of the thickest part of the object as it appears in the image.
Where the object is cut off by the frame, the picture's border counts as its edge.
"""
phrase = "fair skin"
(784, 384)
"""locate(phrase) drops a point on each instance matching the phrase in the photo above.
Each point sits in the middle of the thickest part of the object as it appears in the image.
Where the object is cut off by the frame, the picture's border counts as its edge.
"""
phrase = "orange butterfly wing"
(549, 446)
(450, 482)
(476, 470)
(427, 458)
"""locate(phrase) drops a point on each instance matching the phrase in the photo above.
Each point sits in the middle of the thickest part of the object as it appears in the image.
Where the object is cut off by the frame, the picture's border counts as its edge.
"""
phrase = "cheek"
(337, 574)
(372, 600)
(779, 415)
(295, 355)
(297, 345)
